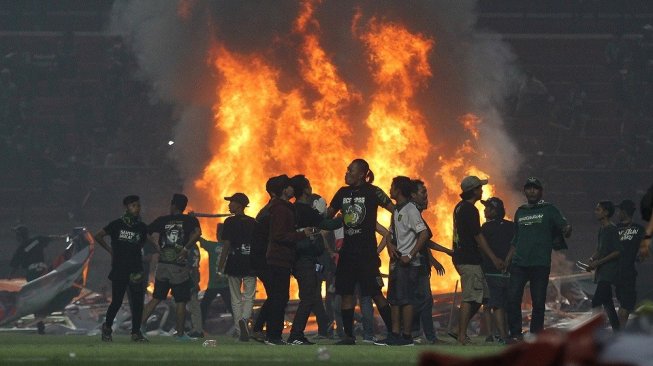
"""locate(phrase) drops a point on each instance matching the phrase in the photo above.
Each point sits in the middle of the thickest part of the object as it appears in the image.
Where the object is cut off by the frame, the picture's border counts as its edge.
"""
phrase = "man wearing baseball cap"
(630, 237)
(235, 261)
(468, 243)
(540, 228)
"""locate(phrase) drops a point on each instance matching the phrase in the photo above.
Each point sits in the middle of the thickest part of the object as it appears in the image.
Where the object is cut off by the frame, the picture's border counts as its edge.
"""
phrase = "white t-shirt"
(408, 223)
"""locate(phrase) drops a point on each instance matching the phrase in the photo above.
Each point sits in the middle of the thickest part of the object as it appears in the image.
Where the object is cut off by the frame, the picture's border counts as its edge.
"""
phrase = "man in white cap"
(468, 243)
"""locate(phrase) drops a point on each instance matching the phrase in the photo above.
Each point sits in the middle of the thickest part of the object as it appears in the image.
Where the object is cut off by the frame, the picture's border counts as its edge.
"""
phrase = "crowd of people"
(495, 260)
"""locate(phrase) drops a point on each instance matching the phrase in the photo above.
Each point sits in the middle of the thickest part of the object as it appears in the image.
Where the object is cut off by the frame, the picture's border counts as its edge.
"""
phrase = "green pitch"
(30, 349)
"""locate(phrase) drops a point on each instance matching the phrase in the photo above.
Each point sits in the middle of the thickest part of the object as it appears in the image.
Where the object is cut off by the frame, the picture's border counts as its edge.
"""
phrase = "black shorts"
(180, 291)
(627, 296)
(354, 270)
(498, 287)
(402, 284)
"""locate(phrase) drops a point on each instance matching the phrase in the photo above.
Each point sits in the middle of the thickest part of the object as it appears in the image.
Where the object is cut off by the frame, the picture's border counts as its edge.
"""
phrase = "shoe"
(106, 333)
(138, 337)
(196, 334)
(389, 341)
(513, 340)
(501, 341)
(370, 339)
(454, 335)
(275, 342)
(183, 338)
(320, 336)
(346, 341)
(299, 341)
(258, 336)
(403, 341)
(437, 341)
(244, 330)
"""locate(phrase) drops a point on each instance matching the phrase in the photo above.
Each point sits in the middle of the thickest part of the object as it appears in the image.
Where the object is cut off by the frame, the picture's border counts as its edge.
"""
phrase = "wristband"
(409, 256)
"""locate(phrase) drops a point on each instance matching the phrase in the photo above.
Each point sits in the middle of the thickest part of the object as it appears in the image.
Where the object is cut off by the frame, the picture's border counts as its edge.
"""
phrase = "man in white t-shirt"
(409, 236)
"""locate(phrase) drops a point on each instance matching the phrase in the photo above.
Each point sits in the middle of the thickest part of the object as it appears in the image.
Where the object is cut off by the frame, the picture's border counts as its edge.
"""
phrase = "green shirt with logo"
(214, 249)
(608, 243)
(538, 231)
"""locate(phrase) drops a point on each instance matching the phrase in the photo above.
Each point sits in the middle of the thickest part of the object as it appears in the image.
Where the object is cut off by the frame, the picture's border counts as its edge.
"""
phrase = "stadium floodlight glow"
(170, 143)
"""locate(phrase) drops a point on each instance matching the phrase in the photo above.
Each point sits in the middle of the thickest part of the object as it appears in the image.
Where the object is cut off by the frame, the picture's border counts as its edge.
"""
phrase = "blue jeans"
(538, 276)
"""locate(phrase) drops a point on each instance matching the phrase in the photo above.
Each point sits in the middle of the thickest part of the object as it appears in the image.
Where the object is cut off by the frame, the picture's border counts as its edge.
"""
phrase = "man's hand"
(644, 249)
(439, 268)
(182, 254)
(392, 251)
(405, 259)
(592, 265)
(499, 264)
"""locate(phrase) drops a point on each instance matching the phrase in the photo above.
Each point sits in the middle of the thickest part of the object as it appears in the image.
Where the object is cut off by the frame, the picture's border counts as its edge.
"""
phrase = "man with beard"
(540, 228)
(630, 237)
(469, 243)
(358, 258)
(128, 234)
(177, 234)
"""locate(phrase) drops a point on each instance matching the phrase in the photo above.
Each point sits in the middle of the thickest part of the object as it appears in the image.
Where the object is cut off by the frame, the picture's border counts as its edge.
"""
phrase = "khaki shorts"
(472, 281)
(172, 273)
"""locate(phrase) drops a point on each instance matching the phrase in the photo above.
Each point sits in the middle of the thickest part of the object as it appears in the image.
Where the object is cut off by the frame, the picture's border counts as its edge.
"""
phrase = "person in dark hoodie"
(281, 255)
(305, 269)
(540, 228)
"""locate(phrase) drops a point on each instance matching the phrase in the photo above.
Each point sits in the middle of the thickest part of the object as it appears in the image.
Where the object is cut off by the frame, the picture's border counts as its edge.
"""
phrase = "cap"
(239, 198)
(532, 181)
(472, 182)
(627, 206)
(494, 202)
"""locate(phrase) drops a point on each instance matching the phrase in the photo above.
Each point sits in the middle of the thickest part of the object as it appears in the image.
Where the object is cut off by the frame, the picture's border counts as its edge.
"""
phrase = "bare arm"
(223, 255)
(646, 242)
(594, 264)
(438, 247)
(439, 268)
(99, 238)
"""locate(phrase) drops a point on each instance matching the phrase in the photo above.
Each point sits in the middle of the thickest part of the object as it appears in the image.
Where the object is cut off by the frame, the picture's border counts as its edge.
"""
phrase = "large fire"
(262, 129)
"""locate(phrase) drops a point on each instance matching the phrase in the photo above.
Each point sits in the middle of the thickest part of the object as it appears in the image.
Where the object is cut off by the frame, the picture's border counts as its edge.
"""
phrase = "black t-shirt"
(467, 224)
(126, 244)
(630, 236)
(239, 231)
(499, 234)
(174, 231)
(359, 205)
(30, 252)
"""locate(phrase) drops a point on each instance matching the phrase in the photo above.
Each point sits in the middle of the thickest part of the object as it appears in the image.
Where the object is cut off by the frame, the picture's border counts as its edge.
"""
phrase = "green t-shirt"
(608, 243)
(538, 227)
(214, 249)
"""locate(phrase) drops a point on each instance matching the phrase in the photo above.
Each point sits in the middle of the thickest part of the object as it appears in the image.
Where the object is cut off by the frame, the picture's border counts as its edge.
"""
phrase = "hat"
(532, 181)
(472, 182)
(130, 199)
(627, 206)
(493, 202)
(239, 198)
(179, 200)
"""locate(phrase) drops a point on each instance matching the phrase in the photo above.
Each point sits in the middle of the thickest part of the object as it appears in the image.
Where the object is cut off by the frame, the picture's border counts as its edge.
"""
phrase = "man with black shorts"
(409, 235)
(177, 233)
(606, 262)
(468, 243)
(630, 237)
(128, 234)
(358, 258)
(499, 233)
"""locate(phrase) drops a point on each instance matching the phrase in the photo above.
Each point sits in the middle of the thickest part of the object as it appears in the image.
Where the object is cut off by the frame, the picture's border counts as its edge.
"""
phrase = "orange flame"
(262, 129)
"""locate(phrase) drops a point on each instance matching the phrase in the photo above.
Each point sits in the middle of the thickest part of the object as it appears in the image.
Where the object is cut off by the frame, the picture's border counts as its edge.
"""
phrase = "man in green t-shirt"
(606, 262)
(218, 283)
(540, 228)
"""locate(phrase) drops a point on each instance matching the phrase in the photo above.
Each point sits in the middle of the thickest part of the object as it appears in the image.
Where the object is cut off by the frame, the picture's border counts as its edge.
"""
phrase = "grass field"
(30, 349)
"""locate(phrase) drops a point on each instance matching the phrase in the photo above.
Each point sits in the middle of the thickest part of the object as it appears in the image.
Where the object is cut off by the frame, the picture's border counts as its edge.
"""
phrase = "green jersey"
(538, 232)
(214, 249)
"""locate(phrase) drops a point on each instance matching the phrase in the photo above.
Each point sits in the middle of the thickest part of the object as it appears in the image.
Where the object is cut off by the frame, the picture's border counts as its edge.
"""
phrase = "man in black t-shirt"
(468, 242)
(128, 234)
(358, 258)
(234, 261)
(499, 233)
(630, 237)
(177, 232)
